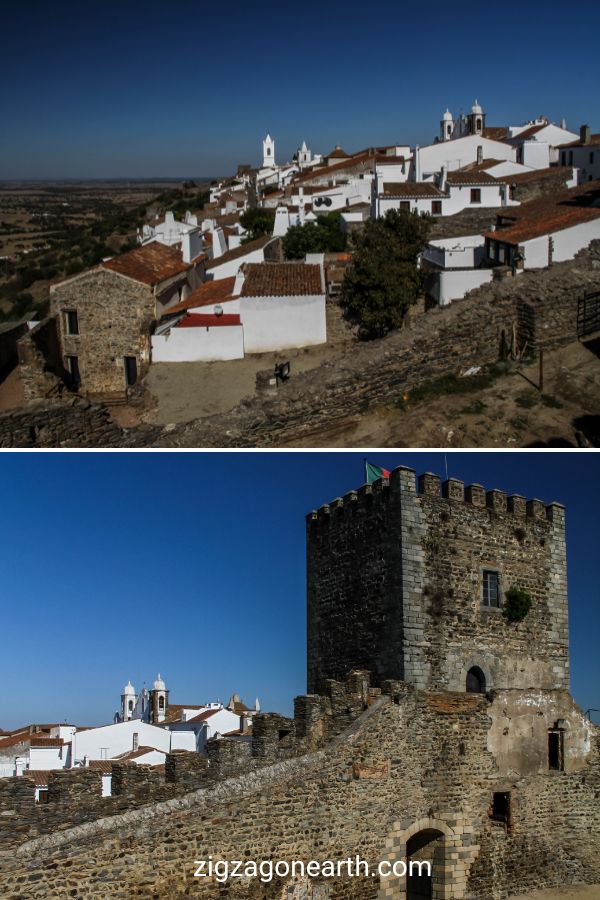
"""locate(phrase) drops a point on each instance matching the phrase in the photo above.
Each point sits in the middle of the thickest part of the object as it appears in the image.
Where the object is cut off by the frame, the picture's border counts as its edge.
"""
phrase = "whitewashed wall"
(118, 739)
(278, 323)
(227, 269)
(444, 287)
(458, 153)
(199, 343)
(569, 241)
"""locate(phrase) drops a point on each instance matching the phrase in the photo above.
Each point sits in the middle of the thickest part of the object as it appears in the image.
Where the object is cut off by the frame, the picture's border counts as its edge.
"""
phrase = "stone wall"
(394, 581)
(40, 361)
(10, 332)
(416, 765)
(114, 315)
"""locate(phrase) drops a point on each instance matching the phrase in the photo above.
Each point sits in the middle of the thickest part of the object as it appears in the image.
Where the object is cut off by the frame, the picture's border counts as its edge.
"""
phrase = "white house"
(172, 233)
(552, 228)
(537, 144)
(455, 267)
(111, 741)
(212, 722)
(583, 154)
(456, 154)
(266, 306)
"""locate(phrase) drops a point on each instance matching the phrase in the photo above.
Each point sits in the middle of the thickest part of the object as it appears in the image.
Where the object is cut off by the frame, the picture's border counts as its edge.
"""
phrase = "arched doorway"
(475, 681)
(424, 856)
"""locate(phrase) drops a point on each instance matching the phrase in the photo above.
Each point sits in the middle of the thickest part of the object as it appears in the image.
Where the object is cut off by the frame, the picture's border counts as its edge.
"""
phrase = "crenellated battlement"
(404, 479)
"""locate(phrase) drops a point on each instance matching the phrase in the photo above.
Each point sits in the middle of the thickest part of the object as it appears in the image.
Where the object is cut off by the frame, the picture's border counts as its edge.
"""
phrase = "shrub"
(516, 605)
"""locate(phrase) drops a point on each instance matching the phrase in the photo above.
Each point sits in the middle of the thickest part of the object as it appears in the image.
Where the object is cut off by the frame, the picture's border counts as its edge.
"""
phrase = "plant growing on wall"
(516, 605)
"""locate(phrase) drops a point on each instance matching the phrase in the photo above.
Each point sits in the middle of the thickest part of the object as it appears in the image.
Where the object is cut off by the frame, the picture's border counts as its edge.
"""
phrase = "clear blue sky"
(116, 566)
(141, 89)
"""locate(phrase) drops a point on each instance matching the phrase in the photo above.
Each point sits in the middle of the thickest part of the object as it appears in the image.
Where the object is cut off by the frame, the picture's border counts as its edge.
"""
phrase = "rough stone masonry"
(494, 779)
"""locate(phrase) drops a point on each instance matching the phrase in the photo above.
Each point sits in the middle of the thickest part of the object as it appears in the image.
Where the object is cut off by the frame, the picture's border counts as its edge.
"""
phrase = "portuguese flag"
(372, 472)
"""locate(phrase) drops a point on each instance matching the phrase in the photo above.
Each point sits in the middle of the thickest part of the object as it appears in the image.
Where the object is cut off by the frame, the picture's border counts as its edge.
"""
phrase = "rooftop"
(552, 212)
(209, 293)
(412, 189)
(200, 320)
(288, 279)
(240, 251)
(150, 264)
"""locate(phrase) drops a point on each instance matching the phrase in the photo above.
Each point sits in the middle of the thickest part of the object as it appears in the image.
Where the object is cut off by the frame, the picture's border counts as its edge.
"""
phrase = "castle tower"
(476, 119)
(408, 579)
(446, 126)
(159, 701)
(268, 153)
(128, 700)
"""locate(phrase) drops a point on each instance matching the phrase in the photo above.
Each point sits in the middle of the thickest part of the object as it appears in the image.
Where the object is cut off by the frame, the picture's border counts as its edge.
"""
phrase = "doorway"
(130, 363)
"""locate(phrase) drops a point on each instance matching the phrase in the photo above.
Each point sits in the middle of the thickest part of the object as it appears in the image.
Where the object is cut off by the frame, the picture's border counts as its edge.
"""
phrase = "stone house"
(105, 315)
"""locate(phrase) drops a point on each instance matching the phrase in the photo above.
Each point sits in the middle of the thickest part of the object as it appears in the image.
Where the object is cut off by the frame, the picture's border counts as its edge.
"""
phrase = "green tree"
(384, 279)
(323, 236)
(258, 222)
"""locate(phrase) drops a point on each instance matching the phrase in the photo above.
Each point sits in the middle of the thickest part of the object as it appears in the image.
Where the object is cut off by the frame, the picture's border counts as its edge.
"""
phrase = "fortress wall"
(412, 759)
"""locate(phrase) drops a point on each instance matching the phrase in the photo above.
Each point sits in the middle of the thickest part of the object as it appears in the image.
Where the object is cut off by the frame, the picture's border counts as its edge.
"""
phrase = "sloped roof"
(474, 176)
(242, 250)
(204, 320)
(210, 292)
(289, 279)
(547, 214)
(203, 716)
(496, 132)
(150, 264)
(411, 189)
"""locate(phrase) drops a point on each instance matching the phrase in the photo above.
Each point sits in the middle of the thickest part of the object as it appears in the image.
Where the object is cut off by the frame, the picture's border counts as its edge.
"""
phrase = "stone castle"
(438, 726)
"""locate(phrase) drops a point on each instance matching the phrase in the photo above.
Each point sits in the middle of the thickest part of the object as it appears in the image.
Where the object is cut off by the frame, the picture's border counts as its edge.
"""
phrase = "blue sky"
(117, 566)
(142, 89)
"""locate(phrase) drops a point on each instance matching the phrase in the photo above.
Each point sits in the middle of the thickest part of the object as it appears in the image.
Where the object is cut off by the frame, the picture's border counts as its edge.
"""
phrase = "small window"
(500, 810)
(591, 157)
(556, 750)
(42, 795)
(136, 740)
(130, 705)
(405, 204)
(563, 158)
(475, 195)
(491, 588)
(570, 157)
(501, 253)
(161, 702)
(72, 321)
(475, 681)
(436, 207)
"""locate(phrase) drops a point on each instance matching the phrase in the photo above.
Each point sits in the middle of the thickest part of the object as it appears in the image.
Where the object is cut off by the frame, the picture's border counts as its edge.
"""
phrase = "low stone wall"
(40, 361)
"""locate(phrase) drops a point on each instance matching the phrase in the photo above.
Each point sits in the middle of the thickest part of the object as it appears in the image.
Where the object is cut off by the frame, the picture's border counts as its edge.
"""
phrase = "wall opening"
(500, 810)
(556, 750)
(475, 683)
(425, 847)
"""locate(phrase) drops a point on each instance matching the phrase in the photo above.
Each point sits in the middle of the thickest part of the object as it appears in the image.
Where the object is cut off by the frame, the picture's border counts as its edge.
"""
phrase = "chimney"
(584, 134)
(479, 155)
(442, 184)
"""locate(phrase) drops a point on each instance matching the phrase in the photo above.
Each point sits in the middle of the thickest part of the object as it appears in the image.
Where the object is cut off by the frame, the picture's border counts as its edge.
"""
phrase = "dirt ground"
(509, 413)
(184, 391)
(589, 892)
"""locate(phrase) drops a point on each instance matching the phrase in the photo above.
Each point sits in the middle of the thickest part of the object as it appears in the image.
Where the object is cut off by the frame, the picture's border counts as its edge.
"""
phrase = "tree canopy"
(258, 221)
(322, 236)
(384, 279)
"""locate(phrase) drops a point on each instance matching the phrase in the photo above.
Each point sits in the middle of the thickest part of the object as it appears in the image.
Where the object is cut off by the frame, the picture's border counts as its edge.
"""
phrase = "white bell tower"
(159, 701)
(128, 699)
(446, 126)
(268, 153)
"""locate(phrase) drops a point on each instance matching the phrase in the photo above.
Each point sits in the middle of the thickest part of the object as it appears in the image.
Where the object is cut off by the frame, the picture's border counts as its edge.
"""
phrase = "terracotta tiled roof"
(135, 754)
(38, 776)
(338, 153)
(552, 212)
(38, 740)
(240, 251)
(101, 765)
(281, 279)
(529, 132)
(203, 716)
(209, 293)
(322, 171)
(495, 132)
(150, 264)
(537, 174)
(200, 320)
(475, 177)
(175, 711)
(411, 189)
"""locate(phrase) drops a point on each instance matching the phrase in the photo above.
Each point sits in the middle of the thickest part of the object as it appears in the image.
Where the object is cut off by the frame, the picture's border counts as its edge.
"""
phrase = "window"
(500, 809)
(556, 750)
(161, 702)
(563, 158)
(136, 740)
(73, 370)
(591, 157)
(501, 253)
(42, 795)
(405, 204)
(475, 681)
(570, 157)
(72, 321)
(436, 207)
(491, 588)
(130, 364)
(130, 705)
(475, 195)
